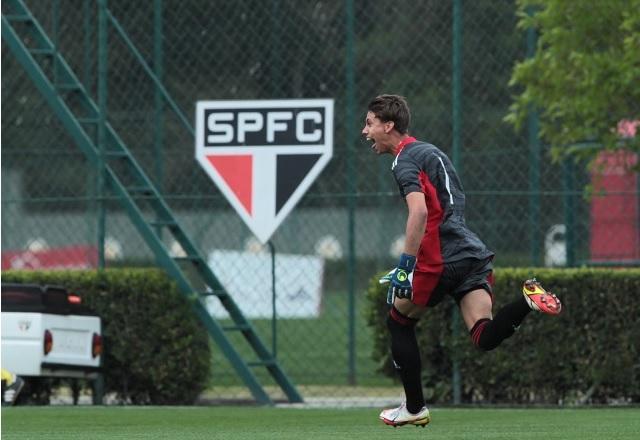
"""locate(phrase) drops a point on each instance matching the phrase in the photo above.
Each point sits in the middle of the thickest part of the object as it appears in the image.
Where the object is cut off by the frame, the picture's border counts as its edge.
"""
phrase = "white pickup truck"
(47, 332)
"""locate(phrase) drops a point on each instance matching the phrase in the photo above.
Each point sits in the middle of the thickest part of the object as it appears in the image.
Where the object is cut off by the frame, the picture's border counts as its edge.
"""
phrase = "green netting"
(529, 209)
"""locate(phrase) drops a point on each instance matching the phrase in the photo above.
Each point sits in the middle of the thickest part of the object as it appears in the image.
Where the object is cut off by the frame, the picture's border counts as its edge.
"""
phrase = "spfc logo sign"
(264, 155)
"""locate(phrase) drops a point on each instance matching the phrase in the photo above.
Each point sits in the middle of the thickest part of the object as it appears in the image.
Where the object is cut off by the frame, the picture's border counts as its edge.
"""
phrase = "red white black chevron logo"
(264, 155)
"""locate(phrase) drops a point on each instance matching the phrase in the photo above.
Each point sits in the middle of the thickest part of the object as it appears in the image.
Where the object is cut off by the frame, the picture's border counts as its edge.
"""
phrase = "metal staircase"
(82, 118)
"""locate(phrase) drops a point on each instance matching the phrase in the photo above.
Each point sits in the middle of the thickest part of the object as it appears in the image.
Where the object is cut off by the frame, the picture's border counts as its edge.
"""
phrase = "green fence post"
(274, 310)
(55, 25)
(158, 114)
(275, 59)
(457, 163)
(158, 110)
(86, 43)
(457, 86)
(351, 185)
(533, 128)
(569, 210)
(92, 177)
(87, 50)
(275, 66)
(97, 394)
(98, 386)
(102, 129)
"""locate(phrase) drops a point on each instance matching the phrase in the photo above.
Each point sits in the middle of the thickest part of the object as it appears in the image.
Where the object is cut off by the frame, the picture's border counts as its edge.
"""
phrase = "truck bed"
(47, 332)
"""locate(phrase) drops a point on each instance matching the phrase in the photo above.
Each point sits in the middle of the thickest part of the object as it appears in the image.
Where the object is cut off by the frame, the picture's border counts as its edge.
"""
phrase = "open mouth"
(373, 143)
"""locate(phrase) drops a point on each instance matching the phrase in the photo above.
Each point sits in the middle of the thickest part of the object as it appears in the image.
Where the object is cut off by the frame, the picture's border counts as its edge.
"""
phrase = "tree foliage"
(584, 79)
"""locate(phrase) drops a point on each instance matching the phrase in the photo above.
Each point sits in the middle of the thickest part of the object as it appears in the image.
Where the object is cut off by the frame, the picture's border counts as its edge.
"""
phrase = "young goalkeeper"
(441, 256)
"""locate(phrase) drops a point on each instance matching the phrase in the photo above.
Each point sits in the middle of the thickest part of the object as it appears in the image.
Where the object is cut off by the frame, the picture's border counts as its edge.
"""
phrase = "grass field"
(238, 423)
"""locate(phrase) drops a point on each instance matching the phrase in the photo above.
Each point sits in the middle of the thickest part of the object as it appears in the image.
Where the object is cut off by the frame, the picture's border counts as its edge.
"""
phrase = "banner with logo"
(264, 155)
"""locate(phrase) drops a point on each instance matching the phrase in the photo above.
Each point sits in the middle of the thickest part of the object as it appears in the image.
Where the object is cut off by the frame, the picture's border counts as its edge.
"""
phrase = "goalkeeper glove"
(400, 279)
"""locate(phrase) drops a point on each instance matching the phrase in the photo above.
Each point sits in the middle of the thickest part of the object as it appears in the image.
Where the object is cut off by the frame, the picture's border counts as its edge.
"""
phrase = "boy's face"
(377, 132)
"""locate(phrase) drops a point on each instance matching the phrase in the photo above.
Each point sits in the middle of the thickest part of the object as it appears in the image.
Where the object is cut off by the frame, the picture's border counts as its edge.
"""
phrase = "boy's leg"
(488, 333)
(406, 359)
(406, 356)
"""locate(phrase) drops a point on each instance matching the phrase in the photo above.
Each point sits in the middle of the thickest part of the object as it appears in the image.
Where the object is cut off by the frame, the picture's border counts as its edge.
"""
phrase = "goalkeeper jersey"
(422, 167)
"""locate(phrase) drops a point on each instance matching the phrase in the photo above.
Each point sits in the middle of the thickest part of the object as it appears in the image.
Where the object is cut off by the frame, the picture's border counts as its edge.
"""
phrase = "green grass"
(237, 423)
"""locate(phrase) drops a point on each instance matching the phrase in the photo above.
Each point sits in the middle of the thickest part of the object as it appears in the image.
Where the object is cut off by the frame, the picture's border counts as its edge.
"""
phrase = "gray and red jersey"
(422, 167)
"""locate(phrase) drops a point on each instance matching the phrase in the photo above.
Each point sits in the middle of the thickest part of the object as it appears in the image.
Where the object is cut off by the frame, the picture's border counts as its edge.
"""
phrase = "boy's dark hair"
(392, 108)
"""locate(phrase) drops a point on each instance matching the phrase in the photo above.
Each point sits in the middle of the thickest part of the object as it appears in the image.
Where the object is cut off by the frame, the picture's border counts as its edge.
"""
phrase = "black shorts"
(455, 279)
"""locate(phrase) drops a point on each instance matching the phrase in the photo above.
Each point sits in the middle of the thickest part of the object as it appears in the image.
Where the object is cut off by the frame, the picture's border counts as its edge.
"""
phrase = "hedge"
(155, 350)
(588, 354)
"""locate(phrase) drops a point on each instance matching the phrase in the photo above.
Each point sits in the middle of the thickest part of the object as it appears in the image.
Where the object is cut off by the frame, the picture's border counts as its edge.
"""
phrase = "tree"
(584, 78)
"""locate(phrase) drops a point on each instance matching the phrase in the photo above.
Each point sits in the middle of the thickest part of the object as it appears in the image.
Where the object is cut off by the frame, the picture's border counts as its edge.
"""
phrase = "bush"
(155, 350)
(590, 353)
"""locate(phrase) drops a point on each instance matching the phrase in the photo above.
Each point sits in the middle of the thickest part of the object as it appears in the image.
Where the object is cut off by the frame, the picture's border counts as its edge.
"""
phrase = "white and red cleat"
(400, 416)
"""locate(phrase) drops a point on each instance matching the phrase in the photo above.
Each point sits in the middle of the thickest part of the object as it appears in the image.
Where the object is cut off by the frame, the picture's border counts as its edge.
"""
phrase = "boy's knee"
(478, 337)
(408, 309)
(395, 318)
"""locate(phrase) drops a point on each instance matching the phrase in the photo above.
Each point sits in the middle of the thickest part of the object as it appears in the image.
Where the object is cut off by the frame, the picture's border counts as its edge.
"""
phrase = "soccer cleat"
(401, 416)
(539, 299)
(10, 394)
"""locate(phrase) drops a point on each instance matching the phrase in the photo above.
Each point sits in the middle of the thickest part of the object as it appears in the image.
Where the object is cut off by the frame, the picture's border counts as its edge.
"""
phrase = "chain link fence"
(529, 209)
